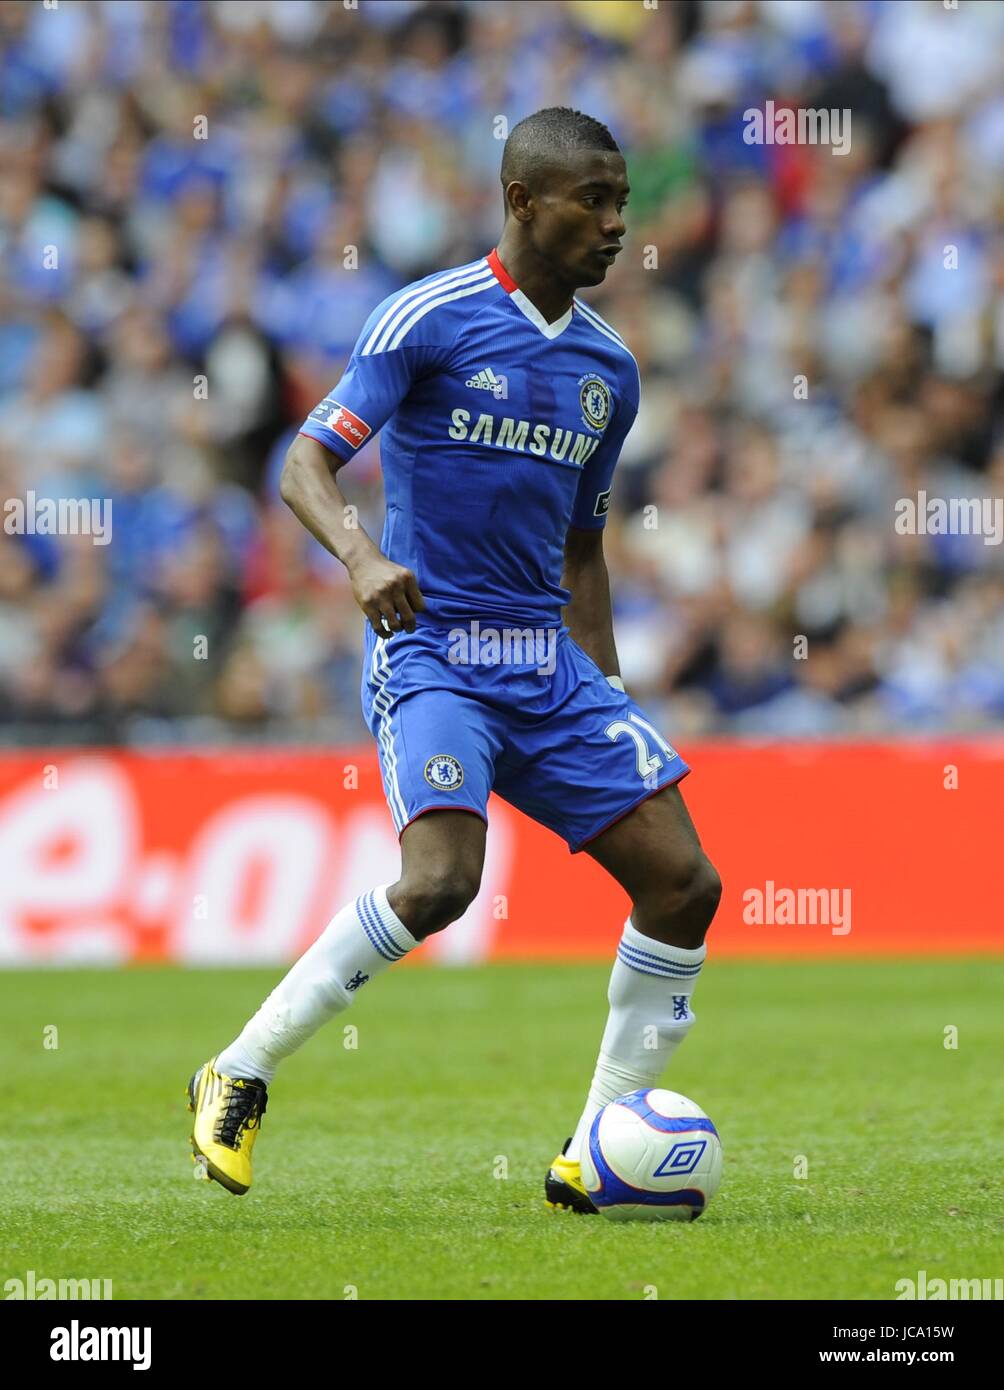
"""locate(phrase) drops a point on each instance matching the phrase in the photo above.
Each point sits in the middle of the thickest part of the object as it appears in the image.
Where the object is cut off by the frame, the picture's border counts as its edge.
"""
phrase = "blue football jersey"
(500, 431)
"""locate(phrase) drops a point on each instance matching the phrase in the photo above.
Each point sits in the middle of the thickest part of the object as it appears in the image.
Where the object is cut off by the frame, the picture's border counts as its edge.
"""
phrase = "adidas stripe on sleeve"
(401, 341)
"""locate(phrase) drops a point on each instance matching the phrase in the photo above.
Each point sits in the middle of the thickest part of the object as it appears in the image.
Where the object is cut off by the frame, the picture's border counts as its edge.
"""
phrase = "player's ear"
(519, 201)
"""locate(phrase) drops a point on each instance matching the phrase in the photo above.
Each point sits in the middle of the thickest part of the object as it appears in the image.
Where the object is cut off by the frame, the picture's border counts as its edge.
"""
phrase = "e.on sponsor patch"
(341, 421)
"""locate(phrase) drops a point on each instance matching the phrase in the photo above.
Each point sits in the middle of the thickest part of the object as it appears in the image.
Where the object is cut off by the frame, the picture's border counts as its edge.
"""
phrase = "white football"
(652, 1156)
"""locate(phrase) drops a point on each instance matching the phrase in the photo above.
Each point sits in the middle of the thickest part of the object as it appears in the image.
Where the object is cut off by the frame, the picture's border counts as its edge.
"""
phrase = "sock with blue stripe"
(361, 941)
(650, 1015)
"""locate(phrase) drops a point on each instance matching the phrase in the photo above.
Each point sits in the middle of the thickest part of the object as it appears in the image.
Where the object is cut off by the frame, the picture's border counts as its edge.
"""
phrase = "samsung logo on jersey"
(546, 442)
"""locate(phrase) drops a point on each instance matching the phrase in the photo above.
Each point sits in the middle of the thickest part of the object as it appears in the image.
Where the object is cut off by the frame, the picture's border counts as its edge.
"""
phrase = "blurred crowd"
(200, 203)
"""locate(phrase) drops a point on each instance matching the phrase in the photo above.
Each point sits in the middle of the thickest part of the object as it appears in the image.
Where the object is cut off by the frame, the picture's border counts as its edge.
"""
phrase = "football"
(652, 1155)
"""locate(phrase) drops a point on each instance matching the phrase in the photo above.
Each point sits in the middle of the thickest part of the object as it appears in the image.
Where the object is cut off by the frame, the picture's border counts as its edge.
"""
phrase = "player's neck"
(548, 295)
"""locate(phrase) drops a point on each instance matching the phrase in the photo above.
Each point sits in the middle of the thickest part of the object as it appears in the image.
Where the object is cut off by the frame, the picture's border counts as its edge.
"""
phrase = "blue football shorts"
(550, 735)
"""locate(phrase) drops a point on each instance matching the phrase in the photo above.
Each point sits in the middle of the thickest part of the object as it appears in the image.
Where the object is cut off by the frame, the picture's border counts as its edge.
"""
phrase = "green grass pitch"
(377, 1169)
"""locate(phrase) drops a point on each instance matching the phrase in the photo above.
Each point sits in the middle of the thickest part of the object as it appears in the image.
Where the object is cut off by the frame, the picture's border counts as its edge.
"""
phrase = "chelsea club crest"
(594, 402)
(444, 772)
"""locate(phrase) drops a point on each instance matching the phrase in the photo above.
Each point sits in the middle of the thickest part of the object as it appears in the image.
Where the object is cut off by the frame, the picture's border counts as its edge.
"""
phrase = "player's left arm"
(589, 614)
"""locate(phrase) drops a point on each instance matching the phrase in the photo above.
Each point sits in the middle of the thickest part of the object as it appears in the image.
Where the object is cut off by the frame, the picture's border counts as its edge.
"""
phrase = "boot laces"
(243, 1108)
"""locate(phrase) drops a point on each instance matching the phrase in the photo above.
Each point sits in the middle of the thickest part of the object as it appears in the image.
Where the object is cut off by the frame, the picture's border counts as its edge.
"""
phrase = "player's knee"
(430, 901)
(680, 907)
(706, 892)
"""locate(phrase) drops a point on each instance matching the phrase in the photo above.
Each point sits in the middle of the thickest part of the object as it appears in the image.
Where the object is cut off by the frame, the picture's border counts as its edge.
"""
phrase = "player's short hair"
(541, 141)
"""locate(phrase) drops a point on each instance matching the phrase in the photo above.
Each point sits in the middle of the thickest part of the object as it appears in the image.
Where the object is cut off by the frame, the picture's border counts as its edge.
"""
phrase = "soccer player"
(489, 654)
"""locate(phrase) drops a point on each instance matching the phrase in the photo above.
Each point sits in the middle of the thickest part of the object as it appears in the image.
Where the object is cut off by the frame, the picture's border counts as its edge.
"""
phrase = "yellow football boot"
(228, 1115)
(563, 1186)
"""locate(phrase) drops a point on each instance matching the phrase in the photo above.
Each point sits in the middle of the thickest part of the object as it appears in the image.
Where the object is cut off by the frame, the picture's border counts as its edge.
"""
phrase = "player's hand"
(387, 593)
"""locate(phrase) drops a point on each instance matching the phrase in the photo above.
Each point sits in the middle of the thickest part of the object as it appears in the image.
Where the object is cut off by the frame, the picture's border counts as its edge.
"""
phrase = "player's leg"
(594, 769)
(441, 859)
(654, 854)
(437, 748)
(442, 854)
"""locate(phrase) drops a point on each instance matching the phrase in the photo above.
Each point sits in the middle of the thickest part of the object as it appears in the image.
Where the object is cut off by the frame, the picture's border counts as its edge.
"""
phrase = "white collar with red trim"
(549, 330)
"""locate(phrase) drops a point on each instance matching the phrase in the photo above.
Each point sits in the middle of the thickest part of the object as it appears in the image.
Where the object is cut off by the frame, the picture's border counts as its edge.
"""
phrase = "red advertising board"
(243, 856)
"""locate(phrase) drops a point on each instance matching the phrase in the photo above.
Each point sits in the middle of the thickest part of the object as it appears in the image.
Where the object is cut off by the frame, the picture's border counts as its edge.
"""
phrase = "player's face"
(580, 219)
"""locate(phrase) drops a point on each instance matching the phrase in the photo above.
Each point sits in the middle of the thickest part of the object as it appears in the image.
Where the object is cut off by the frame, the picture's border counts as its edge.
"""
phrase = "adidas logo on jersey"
(486, 380)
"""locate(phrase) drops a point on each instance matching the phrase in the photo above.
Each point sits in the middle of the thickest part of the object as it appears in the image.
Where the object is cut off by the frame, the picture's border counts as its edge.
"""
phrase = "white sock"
(650, 1015)
(361, 941)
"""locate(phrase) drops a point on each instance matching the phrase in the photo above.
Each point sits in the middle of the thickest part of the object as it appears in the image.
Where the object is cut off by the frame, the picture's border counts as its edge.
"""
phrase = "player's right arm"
(382, 589)
(401, 341)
